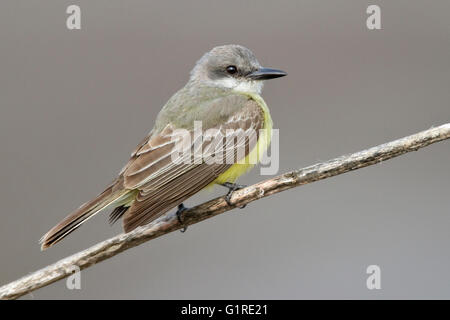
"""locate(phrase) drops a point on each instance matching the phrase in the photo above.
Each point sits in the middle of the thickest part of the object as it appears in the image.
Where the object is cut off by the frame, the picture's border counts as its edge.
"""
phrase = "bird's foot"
(232, 187)
(181, 209)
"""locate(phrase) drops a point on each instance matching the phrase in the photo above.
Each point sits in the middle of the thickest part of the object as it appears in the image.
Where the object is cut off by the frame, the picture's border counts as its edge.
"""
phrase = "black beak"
(266, 74)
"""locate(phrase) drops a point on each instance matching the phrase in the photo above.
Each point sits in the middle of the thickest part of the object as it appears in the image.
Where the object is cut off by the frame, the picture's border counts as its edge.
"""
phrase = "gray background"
(75, 103)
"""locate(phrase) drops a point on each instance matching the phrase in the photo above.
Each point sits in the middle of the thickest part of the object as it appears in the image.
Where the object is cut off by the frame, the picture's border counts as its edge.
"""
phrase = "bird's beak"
(266, 74)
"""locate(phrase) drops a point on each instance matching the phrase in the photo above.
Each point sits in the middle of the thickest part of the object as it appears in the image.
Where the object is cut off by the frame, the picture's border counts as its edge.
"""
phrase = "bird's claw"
(232, 187)
(181, 209)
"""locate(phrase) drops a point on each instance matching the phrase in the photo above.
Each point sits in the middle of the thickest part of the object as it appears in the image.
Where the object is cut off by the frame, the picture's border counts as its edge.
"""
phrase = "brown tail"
(78, 217)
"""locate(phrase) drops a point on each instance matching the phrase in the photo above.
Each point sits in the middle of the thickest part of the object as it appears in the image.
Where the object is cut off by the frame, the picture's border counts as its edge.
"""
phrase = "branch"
(164, 225)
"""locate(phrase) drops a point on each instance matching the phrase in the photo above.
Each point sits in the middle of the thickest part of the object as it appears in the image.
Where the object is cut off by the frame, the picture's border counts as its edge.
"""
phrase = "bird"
(223, 93)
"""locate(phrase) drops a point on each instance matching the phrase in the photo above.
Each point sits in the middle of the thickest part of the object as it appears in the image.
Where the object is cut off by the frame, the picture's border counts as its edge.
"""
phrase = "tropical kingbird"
(223, 93)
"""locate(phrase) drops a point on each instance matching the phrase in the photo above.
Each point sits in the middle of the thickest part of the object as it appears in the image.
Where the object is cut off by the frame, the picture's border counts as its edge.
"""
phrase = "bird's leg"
(232, 187)
(181, 209)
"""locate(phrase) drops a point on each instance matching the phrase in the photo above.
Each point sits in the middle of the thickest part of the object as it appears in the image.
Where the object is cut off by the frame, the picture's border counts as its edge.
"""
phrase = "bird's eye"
(231, 69)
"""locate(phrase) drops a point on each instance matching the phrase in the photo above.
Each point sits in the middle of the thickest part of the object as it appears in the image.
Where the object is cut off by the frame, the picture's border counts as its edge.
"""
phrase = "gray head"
(234, 67)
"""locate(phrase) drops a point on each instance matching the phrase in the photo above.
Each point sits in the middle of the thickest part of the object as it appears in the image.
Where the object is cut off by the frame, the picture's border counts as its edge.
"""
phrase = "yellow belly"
(238, 169)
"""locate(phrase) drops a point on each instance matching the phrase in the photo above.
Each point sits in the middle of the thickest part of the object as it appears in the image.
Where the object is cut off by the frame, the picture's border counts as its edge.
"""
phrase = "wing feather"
(163, 184)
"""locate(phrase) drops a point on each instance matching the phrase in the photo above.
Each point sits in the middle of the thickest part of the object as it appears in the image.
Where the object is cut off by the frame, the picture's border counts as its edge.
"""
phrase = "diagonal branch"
(319, 171)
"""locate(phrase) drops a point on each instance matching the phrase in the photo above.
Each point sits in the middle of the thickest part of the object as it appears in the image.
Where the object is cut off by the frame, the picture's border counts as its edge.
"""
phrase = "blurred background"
(74, 104)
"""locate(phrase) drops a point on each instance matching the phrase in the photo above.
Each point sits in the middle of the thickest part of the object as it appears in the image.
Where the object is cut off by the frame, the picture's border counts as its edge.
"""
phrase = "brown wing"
(162, 184)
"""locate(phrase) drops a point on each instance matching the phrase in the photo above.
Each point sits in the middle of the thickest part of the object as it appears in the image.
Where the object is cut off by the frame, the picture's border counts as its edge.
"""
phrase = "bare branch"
(319, 171)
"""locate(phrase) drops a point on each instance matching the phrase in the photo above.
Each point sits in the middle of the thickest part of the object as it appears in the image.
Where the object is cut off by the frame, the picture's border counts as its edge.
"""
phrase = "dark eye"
(231, 69)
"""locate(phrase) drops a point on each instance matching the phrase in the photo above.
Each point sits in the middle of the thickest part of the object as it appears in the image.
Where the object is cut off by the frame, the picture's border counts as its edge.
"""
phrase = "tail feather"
(117, 213)
(81, 215)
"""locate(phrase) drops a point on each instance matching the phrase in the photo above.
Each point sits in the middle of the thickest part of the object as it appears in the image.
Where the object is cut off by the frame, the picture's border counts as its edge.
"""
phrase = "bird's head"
(234, 67)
